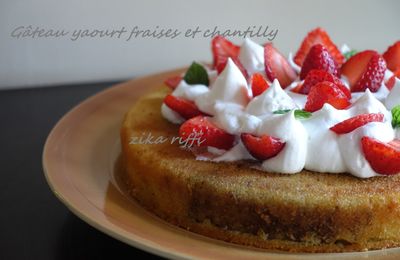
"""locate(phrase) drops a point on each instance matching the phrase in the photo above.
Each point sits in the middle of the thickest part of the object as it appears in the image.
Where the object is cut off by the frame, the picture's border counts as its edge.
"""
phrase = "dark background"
(34, 224)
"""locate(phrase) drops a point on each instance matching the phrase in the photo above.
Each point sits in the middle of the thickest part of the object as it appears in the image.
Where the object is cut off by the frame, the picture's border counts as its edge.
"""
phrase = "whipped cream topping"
(393, 98)
(291, 131)
(296, 67)
(230, 86)
(322, 145)
(251, 55)
(309, 143)
(274, 98)
(345, 48)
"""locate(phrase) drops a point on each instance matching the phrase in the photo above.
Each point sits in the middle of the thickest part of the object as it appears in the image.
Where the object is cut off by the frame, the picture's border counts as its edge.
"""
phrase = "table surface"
(34, 224)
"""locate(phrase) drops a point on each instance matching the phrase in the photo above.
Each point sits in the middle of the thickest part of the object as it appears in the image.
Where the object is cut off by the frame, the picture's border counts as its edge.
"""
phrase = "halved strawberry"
(223, 49)
(207, 133)
(316, 76)
(173, 81)
(277, 67)
(365, 70)
(263, 147)
(258, 84)
(326, 92)
(187, 109)
(392, 56)
(318, 35)
(298, 88)
(355, 122)
(392, 80)
(319, 58)
(384, 158)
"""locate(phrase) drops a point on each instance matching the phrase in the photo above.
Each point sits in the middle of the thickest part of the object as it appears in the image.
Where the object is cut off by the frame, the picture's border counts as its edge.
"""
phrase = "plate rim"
(142, 244)
(163, 252)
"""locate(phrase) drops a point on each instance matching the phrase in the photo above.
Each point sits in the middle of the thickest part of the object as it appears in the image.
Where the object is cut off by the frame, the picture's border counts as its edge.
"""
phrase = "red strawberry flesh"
(277, 67)
(187, 109)
(326, 92)
(317, 76)
(223, 49)
(319, 58)
(384, 158)
(258, 84)
(392, 80)
(365, 70)
(263, 147)
(392, 56)
(318, 36)
(355, 122)
(207, 133)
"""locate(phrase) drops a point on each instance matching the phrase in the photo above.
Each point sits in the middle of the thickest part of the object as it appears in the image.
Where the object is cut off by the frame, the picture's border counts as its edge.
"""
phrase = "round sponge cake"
(304, 212)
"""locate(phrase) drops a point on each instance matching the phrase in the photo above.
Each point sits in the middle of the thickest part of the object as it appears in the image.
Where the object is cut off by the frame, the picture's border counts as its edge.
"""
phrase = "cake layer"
(305, 212)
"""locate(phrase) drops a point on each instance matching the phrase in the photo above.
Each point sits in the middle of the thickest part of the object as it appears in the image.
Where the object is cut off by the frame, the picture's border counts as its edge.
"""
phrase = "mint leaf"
(280, 112)
(298, 113)
(301, 114)
(196, 74)
(396, 116)
(350, 53)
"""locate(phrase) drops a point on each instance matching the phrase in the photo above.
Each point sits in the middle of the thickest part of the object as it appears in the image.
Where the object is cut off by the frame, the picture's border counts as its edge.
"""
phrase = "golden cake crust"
(305, 212)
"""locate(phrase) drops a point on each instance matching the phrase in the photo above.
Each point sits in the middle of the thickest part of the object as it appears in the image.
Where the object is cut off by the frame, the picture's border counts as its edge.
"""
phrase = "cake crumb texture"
(304, 212)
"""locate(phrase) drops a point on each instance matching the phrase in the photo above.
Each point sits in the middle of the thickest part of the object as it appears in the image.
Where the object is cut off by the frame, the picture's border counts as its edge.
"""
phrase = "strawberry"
(258, 84)
(355, 122)
(298, 88)
(277, 67)
(263, 147)
(392, 80)
(384, 158)
(326, 92)
(365, 70)
(173, 81)
(392, 56)
(207, 133)
(316, 76)
(187, 109)
(319, 58)
(223, 49)
(318, 36)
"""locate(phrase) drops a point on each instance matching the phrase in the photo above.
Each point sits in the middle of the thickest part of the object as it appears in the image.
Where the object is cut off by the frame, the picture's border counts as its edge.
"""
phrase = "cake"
(216, 164)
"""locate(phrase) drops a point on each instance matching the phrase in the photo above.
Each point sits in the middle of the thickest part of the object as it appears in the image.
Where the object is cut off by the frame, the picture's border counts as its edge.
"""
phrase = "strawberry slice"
(173, 81)
(365, 70)
(298, 88)
(263, 147)
(316, 76)
(384, 158)
(355, 122)
(319, 58)
(318, 36)
(187, 109)
(277, 66)
(258, 84)
(392, 80)
(223, 49)
(326, 92)
(207, 133)
(392, 56)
